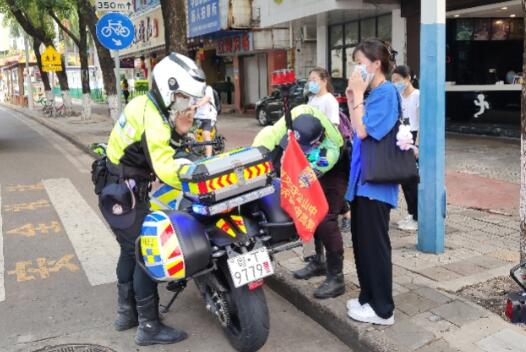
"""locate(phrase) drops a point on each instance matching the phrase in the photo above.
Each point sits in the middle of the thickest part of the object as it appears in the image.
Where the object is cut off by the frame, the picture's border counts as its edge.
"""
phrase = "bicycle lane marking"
(2, 262)
(75, 156)
(28, 223)
(94, 244)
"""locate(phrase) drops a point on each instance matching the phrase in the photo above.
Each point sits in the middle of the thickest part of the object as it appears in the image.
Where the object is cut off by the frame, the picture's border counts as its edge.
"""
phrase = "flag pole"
(283, 80)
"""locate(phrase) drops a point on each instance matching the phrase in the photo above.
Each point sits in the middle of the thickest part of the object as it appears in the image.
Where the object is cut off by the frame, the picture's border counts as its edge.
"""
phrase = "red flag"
(301, 194)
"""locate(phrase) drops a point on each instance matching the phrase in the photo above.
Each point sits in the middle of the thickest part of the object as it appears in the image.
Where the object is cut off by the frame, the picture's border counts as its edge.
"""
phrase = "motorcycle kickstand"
(176, 288)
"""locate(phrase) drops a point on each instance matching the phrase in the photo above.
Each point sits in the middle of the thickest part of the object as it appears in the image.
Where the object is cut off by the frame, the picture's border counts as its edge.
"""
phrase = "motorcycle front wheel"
(248, 326)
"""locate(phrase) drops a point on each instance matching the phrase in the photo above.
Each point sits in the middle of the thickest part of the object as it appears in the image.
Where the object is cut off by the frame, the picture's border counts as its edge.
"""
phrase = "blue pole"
(431, 191)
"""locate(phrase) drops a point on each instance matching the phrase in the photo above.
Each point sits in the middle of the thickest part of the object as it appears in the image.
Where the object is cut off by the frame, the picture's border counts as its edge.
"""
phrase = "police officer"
(140, 149)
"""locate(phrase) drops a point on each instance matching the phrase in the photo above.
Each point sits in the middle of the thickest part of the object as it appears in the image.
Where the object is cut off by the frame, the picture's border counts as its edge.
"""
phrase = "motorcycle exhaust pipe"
(286, 247)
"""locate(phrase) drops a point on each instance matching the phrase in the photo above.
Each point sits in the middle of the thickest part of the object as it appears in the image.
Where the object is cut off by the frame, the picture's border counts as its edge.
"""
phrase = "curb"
(359, 337)
(49, 126)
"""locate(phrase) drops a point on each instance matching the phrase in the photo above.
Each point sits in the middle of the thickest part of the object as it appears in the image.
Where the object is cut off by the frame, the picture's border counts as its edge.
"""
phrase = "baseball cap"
(307, 129)
(117, 204)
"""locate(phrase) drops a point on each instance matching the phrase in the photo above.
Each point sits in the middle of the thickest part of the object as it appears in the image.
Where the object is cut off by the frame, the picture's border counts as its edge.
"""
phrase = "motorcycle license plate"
(251, 266)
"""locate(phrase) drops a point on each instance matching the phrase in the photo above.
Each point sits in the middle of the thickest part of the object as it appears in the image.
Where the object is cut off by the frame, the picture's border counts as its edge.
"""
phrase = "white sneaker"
(404, 219)
(409, 225)
(353, 303)
(366, 314)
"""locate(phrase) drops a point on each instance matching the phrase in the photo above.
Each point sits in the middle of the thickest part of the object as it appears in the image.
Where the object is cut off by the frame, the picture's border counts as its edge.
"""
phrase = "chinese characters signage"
(149, 31)
(239, 44)
(51, 60)
(203, 17)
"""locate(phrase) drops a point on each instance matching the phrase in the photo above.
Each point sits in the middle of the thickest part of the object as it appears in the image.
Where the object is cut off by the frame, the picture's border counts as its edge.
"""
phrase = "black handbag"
(384, 162)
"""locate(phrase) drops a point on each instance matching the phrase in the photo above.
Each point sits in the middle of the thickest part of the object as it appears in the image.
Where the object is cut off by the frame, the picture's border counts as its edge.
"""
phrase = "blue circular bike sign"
(115, 31)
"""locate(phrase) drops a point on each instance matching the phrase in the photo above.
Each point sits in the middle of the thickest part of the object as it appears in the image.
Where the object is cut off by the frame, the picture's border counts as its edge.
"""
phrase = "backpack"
(217, 101)
(345, 127)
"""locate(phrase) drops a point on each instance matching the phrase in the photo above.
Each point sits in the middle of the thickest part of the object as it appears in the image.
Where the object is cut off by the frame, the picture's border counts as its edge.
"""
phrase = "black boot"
(316, 264)
(126, 311)
(151, 331)
(315, 267)
(333, 286)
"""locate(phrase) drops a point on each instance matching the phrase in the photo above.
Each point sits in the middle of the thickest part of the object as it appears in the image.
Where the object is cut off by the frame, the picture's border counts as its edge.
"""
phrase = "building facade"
(233, 49)
(484, 53)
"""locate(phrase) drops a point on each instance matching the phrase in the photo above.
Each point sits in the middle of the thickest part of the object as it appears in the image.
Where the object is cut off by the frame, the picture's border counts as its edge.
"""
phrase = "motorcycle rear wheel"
(249, 318)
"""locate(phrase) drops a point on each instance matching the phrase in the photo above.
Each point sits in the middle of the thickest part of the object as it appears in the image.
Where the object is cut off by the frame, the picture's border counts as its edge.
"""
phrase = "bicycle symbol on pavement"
(115, 31)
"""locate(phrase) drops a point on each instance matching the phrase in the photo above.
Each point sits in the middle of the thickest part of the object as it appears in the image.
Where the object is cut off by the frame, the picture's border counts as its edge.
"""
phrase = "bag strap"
(400, 111)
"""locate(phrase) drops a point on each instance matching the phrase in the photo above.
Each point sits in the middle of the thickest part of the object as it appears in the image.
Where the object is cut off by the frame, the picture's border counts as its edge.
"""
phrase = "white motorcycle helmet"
(175, 74)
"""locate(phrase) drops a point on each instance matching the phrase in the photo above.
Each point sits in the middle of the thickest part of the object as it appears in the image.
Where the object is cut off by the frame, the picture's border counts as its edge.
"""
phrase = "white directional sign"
(114, 5)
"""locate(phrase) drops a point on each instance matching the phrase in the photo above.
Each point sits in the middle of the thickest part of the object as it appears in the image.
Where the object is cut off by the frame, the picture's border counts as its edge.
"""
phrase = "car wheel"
(262, 117)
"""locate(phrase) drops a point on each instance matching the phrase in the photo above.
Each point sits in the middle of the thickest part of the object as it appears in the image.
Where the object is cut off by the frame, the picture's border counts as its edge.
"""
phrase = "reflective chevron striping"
(94, 244)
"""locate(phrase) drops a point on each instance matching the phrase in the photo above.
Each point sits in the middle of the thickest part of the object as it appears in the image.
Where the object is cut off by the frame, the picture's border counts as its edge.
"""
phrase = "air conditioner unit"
(308, 34)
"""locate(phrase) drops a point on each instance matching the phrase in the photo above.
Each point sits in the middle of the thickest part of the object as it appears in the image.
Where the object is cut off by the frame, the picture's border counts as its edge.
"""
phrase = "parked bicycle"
(53, 110)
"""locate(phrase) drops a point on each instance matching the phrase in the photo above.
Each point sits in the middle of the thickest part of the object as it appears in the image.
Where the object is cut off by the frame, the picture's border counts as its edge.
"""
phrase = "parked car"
(340, 85)
(270, 109)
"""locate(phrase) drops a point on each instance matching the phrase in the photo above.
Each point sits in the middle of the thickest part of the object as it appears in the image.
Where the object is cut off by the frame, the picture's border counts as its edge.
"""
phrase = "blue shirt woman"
(371, 204)
(381, 114)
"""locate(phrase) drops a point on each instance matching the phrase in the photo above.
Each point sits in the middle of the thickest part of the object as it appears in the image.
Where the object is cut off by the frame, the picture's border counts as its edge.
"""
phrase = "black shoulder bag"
(384, 162)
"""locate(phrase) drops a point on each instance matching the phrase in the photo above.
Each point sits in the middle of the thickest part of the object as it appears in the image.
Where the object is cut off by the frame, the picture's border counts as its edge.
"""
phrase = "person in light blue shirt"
(371, 204)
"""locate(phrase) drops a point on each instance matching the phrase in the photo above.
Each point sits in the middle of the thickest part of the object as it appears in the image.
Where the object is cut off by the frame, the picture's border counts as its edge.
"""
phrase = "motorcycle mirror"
(518, 274)
(98, 149)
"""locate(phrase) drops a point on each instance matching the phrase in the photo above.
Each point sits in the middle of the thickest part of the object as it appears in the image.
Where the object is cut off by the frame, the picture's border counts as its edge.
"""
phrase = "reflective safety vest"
(141, 139)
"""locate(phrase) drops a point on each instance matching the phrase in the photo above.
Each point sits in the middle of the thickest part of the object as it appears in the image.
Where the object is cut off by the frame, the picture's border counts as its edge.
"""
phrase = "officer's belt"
(127, 171)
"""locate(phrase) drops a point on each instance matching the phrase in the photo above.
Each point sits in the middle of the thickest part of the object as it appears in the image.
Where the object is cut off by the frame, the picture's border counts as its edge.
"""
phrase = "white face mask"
(366, 75)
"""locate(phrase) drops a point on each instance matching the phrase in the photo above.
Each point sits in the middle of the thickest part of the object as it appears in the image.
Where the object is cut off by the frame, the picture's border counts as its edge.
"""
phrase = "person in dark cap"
(322, 144)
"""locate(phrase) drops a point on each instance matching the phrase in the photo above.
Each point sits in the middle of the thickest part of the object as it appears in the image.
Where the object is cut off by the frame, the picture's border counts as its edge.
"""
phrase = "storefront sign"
(149, 31)
(203, 17)
(235, 45)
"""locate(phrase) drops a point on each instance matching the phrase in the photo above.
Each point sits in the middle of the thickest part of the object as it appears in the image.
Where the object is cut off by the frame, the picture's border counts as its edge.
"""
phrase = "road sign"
(51, 61)
(114, 5)
(115, 31)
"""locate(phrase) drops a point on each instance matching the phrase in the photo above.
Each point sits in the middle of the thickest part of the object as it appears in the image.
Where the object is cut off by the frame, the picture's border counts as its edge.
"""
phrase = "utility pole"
(28, 76)
(431, 191)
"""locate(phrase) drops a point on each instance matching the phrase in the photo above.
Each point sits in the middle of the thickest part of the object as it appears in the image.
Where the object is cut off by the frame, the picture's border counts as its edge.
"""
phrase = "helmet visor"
(180, 102)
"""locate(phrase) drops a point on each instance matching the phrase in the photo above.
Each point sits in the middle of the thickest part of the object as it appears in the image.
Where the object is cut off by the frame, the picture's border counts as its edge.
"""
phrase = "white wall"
(274, 13)
(399, 36)
(321, 44)
(305, 54)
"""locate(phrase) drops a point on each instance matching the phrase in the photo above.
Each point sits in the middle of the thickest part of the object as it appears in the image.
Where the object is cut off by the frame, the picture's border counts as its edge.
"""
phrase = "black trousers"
(372, 254)
(334, 184)
(410, 190)
(127, 270)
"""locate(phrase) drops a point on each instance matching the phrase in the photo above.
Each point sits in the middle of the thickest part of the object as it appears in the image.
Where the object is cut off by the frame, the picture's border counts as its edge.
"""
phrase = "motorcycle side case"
(224, 176)
(174, 245)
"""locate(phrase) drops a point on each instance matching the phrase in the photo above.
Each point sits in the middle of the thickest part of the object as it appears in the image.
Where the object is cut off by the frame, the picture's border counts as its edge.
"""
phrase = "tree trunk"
(105, 59)
(523, 151)
(84, 66)
(44, 75)
(174, 17)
